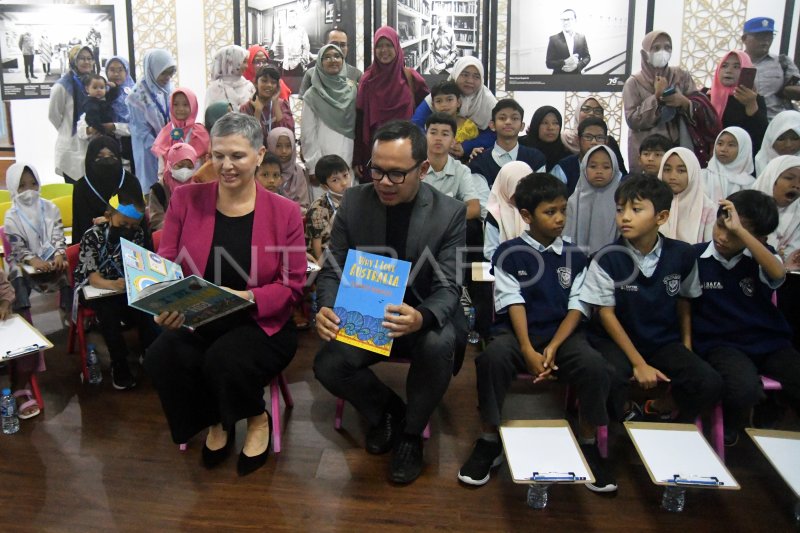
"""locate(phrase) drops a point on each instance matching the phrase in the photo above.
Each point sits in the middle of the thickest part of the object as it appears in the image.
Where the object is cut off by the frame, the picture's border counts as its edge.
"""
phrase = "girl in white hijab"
(692, 214)
(503, 221)
(229, 85)
(785, 239)
(591, 210)
(785, 124)
(731, 167)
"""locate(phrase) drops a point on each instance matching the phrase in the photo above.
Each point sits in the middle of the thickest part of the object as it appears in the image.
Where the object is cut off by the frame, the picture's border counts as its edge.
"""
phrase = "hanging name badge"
(176, 134)
(47, 252)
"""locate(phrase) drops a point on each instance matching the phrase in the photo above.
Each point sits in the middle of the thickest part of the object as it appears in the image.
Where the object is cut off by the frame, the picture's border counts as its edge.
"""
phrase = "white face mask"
(28, 198)
(183, 174)
(660, 59)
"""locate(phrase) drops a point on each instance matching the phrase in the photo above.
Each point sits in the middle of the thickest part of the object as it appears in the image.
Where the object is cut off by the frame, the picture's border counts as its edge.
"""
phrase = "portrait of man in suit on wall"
(567, 51)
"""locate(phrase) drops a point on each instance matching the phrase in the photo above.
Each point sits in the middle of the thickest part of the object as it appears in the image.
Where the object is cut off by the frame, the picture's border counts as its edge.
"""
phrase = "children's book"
(369, 283)
(155, 285)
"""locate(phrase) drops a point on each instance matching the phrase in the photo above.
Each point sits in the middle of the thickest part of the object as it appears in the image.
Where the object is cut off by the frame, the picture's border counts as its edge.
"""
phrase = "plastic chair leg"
(718, 431)
(287, 395)
(182, 447)
(337, 421)
(602, 441)
(37, 393)
(274, 392)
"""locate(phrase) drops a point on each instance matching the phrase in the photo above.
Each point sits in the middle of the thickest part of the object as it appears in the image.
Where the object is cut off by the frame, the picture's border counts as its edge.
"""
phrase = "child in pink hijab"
(182, 127)
(179, 169)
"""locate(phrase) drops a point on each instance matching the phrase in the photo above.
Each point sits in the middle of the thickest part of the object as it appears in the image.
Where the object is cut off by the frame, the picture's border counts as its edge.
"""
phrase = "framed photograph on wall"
(581, 45)
(35, 41)
(330, 11)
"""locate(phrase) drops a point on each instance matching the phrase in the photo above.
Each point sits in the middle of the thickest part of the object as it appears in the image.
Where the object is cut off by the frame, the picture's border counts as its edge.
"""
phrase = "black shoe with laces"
(381, 438)
(603, 478)
(485, 456)
(406, 465)
(121, 377)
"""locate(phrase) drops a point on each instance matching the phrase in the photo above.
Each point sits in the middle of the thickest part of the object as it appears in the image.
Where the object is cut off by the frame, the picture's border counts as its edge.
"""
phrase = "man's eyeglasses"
(395, 176)
(588, 137)
(589, 110)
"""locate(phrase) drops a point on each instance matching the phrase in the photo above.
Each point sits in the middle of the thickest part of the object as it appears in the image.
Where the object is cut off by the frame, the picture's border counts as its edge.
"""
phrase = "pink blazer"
(278, 258)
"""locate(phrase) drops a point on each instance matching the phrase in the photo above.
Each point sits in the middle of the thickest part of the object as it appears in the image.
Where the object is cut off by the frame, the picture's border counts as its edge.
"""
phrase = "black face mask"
(115, 232)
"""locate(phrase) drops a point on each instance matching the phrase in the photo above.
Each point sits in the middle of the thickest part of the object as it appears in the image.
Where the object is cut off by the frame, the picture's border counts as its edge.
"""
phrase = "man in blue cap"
(777, 77)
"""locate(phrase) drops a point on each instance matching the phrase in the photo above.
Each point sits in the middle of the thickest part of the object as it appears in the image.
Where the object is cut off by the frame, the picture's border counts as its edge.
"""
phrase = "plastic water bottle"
(472, 337)
(537, 496)
(314, 309)
(93, 365)
(8, 411)
(674, 499)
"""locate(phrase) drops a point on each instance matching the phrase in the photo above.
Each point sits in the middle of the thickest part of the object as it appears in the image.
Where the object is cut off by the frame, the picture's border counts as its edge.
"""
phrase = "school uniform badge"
(565, 277)
(748, 286)
(672, 284)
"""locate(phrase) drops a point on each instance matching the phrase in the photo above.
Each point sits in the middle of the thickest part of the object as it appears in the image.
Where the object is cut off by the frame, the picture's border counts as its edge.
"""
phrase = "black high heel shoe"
(212, 458)
(248, 465)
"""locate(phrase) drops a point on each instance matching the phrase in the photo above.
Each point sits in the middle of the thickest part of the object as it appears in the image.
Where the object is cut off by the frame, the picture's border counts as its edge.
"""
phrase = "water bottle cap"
(6, 391)
(90, 347)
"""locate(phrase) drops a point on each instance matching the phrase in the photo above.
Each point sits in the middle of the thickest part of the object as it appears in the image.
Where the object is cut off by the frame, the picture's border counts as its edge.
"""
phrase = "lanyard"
(269, 120)
(26, 220)
(330, 203)
(105, 258)
(121, 179)
(164, 113)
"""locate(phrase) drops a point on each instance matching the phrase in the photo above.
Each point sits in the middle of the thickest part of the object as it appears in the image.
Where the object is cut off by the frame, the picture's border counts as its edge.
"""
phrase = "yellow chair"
(5, 206)
(64, 204)
(5, 196)
(50, 191)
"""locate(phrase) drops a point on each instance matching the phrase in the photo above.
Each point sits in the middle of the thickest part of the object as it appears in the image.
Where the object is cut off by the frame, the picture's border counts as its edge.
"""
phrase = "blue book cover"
(369, 283)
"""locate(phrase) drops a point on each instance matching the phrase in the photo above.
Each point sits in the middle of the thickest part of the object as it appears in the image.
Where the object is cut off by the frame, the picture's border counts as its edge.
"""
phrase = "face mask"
(28, 198)
(660, 59)
(183, 174)
(115, 232)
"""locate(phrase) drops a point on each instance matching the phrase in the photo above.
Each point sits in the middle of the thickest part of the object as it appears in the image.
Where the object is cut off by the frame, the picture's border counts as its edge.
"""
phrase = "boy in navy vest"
(735, 325)
(641, 285)
(507, 122)
(592, 131)
(537, 285)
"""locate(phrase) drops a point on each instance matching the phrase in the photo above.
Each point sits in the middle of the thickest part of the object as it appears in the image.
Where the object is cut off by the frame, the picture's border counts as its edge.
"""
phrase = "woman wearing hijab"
(67, 98)
(229, 85)
(104, 178)
(294, 184)
(214, 112)
(387, 91)
(329, 110)
(731, 168)
(179, 163)
(182, 127)
(781, 138)
(258, 57)
(503, 221)
(118, 73)
(544, 134)
(737, 105)
(477, 102)
(591, 210)
(647, 110)
(589, 107)
(148, 104)
(692, 215)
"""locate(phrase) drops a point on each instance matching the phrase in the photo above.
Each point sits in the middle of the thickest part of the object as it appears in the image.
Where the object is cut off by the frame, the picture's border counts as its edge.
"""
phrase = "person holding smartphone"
(734, 97)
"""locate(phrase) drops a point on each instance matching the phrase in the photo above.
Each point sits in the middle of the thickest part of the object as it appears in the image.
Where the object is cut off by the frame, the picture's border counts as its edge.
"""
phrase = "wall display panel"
(35, 40)
(294, 31)
(584, 45)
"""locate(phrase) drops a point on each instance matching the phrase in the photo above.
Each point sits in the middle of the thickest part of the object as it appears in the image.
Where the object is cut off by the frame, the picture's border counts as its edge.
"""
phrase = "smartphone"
(669, 91)
(747, 77)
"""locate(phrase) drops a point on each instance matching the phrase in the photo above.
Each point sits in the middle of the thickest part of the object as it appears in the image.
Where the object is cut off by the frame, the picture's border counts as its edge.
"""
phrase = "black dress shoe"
(381, 438)
(212, 458)
(406, 463)
(248, 465)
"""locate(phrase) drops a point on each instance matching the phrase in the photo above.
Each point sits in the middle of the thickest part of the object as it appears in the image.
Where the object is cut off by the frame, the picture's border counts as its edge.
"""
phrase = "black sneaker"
(121, 377)
(478, 468)
(381, 438)
(406, 465)
(603, 478)
(633, 414)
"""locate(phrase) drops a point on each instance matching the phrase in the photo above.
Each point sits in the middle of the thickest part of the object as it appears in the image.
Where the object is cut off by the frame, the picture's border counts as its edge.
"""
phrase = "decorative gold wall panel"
(154, 26)
(218, 17)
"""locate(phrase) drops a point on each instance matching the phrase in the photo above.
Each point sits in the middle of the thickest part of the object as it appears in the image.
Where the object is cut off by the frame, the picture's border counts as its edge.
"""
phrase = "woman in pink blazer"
(238, 235)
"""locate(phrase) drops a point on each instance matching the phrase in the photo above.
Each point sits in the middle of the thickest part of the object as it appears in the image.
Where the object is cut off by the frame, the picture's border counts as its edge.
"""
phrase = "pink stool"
(277, 388)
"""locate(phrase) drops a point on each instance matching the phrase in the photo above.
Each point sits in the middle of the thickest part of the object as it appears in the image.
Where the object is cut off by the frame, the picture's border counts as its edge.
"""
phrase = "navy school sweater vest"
(647, 307)
(486, 166)
(545, 280)
(571, 165)
(735, 309)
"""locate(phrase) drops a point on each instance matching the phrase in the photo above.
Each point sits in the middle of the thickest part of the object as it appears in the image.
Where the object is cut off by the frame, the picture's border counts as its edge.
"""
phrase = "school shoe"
(381, 438)
(603, 478)
(478, 468)
(121, 377)
(406, 465)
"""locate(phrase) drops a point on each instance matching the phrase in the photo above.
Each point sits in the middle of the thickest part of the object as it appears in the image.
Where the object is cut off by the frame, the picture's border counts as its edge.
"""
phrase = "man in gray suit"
(398, 214)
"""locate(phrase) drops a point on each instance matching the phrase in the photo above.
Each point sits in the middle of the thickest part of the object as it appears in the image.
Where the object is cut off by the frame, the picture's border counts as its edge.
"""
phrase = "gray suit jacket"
(437, 230)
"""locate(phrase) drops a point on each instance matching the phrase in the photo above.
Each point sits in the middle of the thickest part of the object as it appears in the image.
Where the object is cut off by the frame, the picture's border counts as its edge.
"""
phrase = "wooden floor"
(102, 460)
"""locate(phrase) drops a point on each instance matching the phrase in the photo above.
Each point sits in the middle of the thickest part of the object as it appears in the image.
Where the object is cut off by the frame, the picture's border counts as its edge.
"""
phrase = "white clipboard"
(782, 450)
(18, 338)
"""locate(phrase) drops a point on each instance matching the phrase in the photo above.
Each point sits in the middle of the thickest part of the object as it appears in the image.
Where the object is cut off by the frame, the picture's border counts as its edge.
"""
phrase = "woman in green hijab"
(329, 110)
(206, 171)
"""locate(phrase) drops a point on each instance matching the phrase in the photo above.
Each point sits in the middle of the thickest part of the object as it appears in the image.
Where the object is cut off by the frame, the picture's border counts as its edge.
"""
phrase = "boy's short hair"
(446, 87)
(508, 103)
(269, 71)
(536, 188)
(758, 208)
(89, 78)
(656, 142)
(269, 159)
(592, 121)
(645, 188)
(329, 165)
(441, 118)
